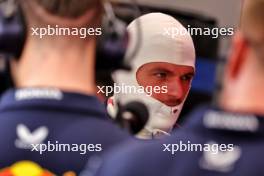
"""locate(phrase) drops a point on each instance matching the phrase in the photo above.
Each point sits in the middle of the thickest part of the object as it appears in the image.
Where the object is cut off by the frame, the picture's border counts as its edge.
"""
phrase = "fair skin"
(177, 78)
(244, 78)
(63, 62)
(244, 74)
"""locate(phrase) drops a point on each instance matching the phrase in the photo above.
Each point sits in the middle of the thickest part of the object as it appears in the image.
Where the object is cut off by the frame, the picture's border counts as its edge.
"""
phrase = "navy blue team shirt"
(232, 145)
(38, 117)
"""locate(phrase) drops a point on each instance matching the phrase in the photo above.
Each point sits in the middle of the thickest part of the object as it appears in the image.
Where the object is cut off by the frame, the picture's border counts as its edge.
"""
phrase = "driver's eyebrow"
(160, 70)
(191, 73)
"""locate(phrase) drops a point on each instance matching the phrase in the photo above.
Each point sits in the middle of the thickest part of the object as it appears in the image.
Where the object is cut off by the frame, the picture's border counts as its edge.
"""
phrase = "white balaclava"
(163, 39)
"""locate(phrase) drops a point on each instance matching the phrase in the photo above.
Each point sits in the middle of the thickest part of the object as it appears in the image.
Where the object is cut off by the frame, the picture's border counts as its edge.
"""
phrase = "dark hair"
(67, 8)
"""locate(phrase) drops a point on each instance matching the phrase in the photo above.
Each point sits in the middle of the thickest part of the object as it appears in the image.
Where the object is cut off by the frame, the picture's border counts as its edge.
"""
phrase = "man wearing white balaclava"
(166, 57)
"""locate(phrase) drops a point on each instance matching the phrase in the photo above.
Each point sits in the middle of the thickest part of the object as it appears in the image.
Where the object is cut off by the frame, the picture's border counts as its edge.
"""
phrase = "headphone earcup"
(6, 80)
(112, 46)
(12, 34)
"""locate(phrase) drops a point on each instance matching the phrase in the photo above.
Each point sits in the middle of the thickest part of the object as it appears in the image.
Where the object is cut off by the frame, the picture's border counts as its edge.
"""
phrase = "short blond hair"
(252, 25)
(252, 14)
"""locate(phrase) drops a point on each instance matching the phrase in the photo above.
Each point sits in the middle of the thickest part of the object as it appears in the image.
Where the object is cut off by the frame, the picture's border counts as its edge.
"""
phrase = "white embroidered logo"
(221, 161)
(26, 138)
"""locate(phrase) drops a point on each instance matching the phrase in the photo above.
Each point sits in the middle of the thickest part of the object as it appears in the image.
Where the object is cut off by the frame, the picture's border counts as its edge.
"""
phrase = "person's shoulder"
(122, 158)
(137, 147)
(138, 156)
(67, 116)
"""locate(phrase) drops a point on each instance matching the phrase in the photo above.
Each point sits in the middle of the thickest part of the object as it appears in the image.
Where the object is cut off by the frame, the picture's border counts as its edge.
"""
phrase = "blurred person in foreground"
(52, 118)
(223, 140)
(164, 66)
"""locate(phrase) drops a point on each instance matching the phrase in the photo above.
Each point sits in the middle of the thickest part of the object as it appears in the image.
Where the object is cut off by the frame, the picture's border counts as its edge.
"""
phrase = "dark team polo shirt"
(212, 143)
(57, 130)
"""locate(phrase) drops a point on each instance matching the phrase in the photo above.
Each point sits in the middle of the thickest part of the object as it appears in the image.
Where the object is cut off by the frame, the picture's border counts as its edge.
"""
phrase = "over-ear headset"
(111, 45)
(12, 29)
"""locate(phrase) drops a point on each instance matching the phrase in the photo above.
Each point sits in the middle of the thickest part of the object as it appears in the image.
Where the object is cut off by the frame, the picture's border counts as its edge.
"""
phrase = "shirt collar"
(214, 118)
(51, 99)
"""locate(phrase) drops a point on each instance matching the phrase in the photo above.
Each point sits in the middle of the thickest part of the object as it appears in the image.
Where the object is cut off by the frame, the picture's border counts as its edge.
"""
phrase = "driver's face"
(177, 78)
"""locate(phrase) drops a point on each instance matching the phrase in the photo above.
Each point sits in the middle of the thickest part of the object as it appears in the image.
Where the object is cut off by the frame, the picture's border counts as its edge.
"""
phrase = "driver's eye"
(186, 77)
(161, 75)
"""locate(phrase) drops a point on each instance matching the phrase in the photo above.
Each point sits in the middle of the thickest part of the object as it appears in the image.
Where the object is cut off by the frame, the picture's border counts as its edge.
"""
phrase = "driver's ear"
(237, 56)
(138, 78)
